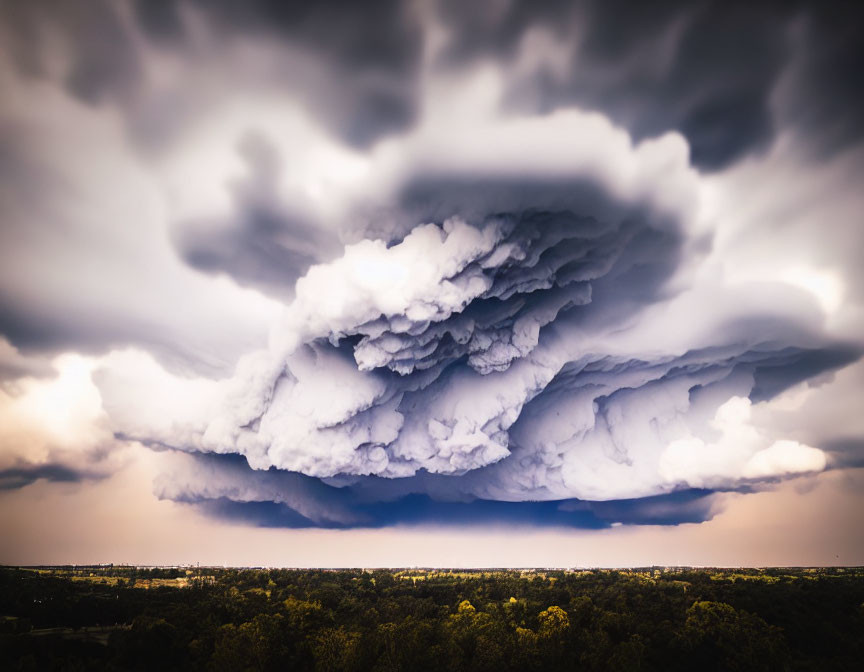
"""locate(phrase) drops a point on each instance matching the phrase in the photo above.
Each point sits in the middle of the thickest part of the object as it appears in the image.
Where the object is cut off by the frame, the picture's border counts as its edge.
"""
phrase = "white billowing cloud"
(599, 430)
(530, 348)
(420, 280)
(531, 340)
(599, 438)
(55, 422)
(461, 421)
(783, 458)
(315, 412)
(64, 410)
(325, 417)
(145, 402)
(740, 451)
(532, 307)
(482, 288)
(304, 407)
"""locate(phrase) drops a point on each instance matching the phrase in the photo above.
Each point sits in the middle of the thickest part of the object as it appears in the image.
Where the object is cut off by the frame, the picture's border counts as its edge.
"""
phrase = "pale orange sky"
(119, 520)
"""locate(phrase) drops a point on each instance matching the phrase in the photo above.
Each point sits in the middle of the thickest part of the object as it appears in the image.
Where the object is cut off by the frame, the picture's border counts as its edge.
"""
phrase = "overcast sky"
(431, 283)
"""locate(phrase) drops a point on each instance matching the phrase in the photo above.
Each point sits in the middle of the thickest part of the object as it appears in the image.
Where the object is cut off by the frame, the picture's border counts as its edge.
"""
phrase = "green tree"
(334, 650)
(554, 622)
(719, 637)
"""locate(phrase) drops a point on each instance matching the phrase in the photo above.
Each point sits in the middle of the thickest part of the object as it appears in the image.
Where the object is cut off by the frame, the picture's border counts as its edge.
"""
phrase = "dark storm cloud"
(685, 506)
(515, 257)
(373, 50)
(573, 236)
(42, 331)
(515, 335)
(846, 452)
(265, 242)
(706, 69)
(19, 477)
(825, 97)
(353, 65)
(102, 65)
(363, 55)
(793, 365)
(72, 277)
(436, 195)
(360, 59)
(421, 510)
(228, 497)
(491, 397)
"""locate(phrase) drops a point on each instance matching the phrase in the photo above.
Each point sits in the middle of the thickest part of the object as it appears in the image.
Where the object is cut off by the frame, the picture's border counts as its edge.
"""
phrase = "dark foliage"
(128, 618)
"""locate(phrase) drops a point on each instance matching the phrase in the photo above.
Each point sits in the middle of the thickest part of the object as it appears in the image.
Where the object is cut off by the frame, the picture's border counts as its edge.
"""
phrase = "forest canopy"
(135, 618)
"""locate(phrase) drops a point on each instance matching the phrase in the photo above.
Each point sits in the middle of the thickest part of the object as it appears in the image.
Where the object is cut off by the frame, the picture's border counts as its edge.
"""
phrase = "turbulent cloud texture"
(538, 334)
(429, 262)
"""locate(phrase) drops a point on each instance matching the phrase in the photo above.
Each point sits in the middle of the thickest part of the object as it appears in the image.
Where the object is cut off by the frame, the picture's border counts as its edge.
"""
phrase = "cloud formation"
(55, 428)
(557, 263)
(518, 348)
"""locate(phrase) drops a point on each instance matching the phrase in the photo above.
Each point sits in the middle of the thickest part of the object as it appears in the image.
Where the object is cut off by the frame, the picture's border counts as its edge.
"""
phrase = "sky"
(429, 283)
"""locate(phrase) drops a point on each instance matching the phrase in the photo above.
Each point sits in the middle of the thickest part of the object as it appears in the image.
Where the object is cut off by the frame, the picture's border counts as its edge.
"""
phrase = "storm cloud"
(414, 263)
(515, 344)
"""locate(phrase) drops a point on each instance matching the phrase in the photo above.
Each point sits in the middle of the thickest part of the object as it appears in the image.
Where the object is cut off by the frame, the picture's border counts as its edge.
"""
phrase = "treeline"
(118, 571)
(381, 620)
